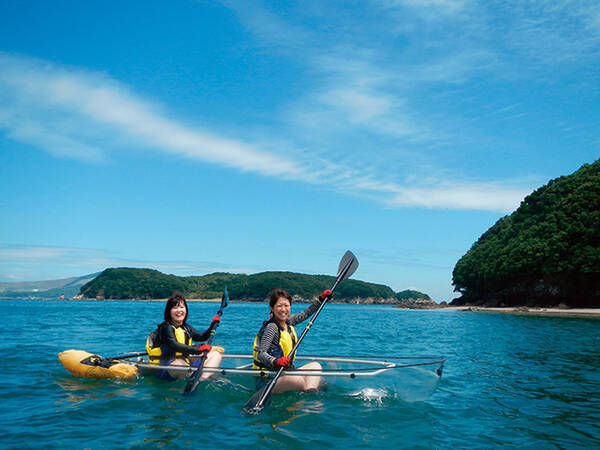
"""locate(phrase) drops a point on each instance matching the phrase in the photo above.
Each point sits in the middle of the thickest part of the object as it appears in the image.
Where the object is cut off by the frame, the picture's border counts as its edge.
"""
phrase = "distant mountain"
(133, 283)
(68, 287)
(125, 283)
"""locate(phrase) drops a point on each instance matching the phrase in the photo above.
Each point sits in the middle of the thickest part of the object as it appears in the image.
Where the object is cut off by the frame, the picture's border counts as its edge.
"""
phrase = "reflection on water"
(509, 381)
(300, 409)
(78, 391)
(164, 425)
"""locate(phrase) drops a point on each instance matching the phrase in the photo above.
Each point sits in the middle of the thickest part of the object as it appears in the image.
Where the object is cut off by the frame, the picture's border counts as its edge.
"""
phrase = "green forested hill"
(121, 283)
(410, 294)
(546, 253)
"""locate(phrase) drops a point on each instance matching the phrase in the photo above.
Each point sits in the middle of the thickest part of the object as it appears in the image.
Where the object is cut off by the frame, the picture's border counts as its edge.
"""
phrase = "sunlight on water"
(372, 395)
(508, 381)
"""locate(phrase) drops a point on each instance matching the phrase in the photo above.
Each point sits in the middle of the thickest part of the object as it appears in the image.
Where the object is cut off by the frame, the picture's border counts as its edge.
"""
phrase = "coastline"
(516, 310)
(526, 310)
(194, 300)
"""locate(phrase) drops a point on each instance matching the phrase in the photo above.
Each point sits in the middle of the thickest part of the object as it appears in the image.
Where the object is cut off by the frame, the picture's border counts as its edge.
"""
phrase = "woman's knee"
(214, 358)
(289, 383)
(311, 366)
(178, 374)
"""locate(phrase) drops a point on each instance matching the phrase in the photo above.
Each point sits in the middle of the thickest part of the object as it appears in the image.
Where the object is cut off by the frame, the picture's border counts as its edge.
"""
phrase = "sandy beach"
(571, 312)
(526, 310)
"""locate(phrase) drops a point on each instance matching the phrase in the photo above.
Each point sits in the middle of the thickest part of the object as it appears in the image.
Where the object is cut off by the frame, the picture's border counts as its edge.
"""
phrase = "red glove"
(283, 361)
(326, 293)
(216, 319)
(204, 348)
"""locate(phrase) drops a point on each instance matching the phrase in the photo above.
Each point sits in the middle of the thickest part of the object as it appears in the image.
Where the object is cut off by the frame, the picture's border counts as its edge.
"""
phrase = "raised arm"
(302, 316)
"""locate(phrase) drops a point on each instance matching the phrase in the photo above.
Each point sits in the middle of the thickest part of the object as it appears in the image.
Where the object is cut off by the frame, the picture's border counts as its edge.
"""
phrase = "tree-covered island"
(131, 283)
(545, 254)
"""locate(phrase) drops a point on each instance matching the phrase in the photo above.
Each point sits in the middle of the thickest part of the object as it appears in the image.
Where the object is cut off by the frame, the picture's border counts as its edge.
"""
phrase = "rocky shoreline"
(526, 310)
(413, 304)
(420, 303)
(561, 311)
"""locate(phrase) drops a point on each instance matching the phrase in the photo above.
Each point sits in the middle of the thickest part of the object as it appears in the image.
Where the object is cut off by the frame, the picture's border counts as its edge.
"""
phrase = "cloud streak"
(91, 117)
(49, 107)
(29, 262)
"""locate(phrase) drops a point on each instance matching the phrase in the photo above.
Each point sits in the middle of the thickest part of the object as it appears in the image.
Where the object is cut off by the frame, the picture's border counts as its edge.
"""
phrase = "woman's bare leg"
(289, 383)
(299, 383)
(311, 383)
(213, 360)
(178, 375)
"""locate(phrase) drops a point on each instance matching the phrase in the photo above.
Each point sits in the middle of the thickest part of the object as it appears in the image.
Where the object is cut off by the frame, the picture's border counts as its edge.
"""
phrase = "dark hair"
(173, 301)
(276, 294)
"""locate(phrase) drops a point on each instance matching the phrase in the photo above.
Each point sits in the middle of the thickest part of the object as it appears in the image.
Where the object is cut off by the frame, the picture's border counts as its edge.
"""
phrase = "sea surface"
(509, 381)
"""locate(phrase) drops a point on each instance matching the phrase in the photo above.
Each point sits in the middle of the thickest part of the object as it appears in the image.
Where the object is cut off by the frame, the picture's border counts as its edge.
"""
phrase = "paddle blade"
(348, 266)
(224, 300)
(192, 384)
(254, 405)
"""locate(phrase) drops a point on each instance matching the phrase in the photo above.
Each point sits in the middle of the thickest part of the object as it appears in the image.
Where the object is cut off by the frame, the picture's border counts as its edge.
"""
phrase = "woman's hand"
(326, 293)
(282, 362)
(204, 348)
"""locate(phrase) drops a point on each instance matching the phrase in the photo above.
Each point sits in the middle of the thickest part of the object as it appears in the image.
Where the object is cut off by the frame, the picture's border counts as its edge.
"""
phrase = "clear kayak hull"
(407, 378)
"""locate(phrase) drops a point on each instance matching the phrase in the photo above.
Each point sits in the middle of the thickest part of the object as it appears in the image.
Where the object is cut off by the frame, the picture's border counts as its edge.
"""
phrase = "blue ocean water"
(516, 381)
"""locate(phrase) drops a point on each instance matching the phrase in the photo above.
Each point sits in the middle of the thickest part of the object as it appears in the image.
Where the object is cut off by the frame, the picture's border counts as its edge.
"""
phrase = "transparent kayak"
(408, 378)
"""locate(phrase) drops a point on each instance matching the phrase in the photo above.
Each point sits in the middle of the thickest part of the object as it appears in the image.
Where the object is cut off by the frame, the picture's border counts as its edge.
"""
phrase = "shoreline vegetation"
(136, 283)
(542, 259)
(515, 310)
(546, 253)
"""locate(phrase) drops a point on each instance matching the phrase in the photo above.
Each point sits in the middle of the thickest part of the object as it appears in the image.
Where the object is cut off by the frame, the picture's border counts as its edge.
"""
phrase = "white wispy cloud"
(66, 111)
(429, 9)
(483, 197)
(555, 32)
(89, 116)
(30, 262)
(12, 256)
(27, 253)
(446, 195)
(359, 88)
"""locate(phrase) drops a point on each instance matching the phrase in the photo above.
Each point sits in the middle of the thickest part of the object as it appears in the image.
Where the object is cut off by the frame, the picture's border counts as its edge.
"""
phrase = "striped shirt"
(271, 335)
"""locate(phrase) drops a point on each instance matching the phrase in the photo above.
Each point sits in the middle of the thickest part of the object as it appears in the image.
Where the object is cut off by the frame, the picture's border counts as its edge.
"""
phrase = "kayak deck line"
(409, 378)
(381, 365)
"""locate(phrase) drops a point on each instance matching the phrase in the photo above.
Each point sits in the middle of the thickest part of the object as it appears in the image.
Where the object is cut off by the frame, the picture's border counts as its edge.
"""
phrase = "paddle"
(192, 383)
(258, 401)
(129, 355)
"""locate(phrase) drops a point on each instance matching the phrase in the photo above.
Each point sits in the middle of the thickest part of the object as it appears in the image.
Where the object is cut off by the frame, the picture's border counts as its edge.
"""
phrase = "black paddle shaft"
(347, 266)
(130, 355)
(192, 383)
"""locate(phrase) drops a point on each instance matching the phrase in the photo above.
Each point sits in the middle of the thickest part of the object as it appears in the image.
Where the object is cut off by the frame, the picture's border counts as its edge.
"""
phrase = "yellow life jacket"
(155, 348)
(287, 340)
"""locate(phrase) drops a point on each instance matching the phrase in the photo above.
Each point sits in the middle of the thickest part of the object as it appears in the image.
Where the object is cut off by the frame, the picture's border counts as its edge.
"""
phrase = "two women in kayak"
(171, 342)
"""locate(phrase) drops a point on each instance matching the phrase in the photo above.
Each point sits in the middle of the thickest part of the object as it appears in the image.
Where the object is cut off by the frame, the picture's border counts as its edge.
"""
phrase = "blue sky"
(202, 136)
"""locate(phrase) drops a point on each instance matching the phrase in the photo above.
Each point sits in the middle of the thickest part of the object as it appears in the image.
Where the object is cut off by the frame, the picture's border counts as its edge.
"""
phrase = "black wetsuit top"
(169, 344)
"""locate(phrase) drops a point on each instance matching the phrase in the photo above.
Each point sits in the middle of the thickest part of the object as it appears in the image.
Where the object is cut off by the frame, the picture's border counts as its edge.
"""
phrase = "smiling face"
(178, 313)
(281, 310)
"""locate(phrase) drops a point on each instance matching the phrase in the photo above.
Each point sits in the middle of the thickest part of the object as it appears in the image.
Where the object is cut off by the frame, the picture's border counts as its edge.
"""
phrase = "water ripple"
(514, 381)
